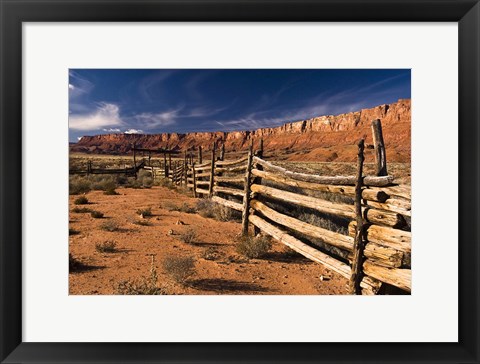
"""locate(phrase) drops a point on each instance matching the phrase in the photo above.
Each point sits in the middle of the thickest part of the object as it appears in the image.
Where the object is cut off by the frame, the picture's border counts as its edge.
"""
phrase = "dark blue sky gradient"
(158, 101)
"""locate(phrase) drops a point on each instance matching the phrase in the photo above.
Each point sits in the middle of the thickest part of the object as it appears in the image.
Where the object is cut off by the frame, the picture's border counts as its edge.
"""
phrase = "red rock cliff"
(323, 138)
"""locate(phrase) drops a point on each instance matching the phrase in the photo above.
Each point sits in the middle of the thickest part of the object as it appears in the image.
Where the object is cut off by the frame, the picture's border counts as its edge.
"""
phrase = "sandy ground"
(226, 272)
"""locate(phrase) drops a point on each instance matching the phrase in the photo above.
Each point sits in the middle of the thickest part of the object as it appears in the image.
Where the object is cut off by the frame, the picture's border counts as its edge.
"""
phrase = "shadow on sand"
(226, 285)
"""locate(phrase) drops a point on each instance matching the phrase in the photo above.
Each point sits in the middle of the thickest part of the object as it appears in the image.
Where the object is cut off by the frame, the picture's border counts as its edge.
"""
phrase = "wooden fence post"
(246, 196)
(134, 162)
(212, 171)
(258, 180)
(194, 181)
(200, 159)
(169, 162)
(165, 167)
(379, 145)
(222, 152)
(358, 244)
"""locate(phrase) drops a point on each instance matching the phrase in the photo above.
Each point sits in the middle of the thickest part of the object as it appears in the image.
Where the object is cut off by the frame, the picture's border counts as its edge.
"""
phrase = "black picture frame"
(14, 12)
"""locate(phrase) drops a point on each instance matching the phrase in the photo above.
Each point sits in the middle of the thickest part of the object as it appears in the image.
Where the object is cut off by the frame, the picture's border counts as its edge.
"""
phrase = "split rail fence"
(376, 250)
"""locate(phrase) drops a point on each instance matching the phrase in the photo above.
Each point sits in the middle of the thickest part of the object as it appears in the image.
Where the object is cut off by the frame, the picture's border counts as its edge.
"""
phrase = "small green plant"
(73, 231)
(253, 247)
(96, 214)
(179, 268)
(143, 286)
(189, 236)
(110, 225)
(108, 246)
(82, 200)
(145, 212)
(81, 210)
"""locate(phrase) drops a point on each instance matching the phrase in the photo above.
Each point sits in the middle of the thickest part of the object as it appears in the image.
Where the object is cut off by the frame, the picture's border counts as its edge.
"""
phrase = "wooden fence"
(374, 250)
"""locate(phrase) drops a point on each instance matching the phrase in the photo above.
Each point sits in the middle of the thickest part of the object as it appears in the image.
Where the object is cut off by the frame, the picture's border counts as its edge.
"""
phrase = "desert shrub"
(72, 231)
(142, 222)
(73, 263)
(208, 208)
(165, 182)
(82, 200)
(102, 182)
(179, 268)
(143, 286)
(110, 192)
(253, 247)
(81, 210)
(189, 236)
(145, 212)
(210, 254)
(143, 180)
(96, 214)
(78, 185)
(108, 246)
(323, 222)
(110, 225)
(170, 206)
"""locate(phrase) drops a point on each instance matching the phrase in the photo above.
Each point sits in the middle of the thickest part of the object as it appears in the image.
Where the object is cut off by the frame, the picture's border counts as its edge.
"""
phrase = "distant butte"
(324, 138)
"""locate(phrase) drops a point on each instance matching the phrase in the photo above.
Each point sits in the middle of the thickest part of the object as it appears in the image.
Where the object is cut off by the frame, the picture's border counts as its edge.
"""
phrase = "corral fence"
(373, 250)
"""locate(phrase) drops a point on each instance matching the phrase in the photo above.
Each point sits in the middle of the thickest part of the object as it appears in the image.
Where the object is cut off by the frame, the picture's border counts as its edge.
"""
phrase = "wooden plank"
(202, 191)
(202, 183)
(328, 180)
(231, 163)
(401, 278)
(203, 166)
(229, 191)
(381, 217)
(391, 257)
(206, 174)
(309, 252)
(231, 204)
(387, 236)
(223, 179)
(212, 171)
(403, 208)
(306, 201)
(231, 170)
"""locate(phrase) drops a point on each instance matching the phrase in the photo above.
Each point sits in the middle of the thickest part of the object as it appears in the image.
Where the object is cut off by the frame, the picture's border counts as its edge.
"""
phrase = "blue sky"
(153, 101)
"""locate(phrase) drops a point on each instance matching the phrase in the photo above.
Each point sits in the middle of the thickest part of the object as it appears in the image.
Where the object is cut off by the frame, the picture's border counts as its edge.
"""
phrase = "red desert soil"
(279, 273)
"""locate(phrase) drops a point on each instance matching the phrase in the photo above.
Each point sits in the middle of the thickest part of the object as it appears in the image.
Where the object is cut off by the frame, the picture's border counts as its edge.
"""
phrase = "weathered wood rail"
(379, 251)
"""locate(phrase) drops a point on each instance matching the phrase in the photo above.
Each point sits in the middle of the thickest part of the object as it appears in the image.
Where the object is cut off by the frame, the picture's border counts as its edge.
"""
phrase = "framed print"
(239, 181)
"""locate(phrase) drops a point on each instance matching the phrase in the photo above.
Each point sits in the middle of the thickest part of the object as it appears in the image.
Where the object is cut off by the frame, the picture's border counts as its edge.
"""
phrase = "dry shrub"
(78, 185)
(323, 222)
(73, 263)
(145, 212)
(210, 254)
(142, 222)
(108, 246)
(81, 210)
(143, 286)
(110, 192)
(253, 247)
(208, 208)
(96, 214)
(110, 225)
(179, 268)
(82, 200)
(189, 236)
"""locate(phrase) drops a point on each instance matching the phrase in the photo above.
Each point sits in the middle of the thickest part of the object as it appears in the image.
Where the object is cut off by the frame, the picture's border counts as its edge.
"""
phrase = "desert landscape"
(316, 206)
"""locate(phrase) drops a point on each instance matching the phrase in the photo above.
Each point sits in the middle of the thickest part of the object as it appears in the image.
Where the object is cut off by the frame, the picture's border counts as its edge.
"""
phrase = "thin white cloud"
(150, 120)
(133, 131)
(106, 115)
(112, 130)
(78, 86)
